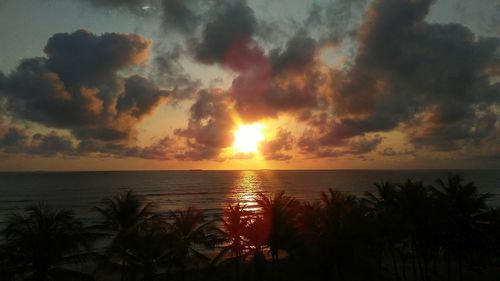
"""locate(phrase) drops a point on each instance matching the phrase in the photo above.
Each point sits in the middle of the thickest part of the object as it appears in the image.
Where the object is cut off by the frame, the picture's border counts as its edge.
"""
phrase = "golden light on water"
(246, 188)
(248, 137)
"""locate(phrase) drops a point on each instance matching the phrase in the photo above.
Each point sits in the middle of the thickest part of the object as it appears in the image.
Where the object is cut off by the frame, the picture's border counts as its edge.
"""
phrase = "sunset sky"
(229, 84)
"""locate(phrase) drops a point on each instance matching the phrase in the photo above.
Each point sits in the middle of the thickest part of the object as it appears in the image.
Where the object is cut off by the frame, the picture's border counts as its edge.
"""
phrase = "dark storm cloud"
(335, 19)
(77, 86)
(258, 96)
(432, 78)
(50, 144)
(391, 152)
(262, 87)
(311, 145)
(286, 80)
(140, 97)
(233, 23)
(441, 132)
(298, 55)
(14, 140)
(209, 127)
(279, 147)
(82, 57)
(437, 83)
(181, 15)
(162, 149)
(169, 72)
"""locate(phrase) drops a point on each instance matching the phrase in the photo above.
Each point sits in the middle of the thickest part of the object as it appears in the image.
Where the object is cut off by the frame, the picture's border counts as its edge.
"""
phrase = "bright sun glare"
(248, 137)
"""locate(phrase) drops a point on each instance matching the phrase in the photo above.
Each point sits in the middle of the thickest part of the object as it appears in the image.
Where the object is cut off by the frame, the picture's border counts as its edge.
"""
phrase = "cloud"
(430, 78)
(312, 144)
(335, 20)
(167, 71)
(298, 55)
(180, 15)
(140, 97)
(78, 86)
(233, 23)
(50, 144)
(163, 149)
(14, 140)
(279, 147)
(438, 84)
(209, 128)
(391, 152)
(285, 80)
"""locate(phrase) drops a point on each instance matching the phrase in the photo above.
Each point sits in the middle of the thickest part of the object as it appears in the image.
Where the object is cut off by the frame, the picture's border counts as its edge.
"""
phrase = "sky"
(173, 84)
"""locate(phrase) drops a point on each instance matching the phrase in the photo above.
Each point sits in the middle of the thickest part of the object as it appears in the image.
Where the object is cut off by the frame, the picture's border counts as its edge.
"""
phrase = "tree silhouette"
(339, 236)
(235, 220)
(414, 206)
(122, 217)
(461, 204)
(150, 248)
(41, 243)
(191, 231)
(278, 214)
(387, 218)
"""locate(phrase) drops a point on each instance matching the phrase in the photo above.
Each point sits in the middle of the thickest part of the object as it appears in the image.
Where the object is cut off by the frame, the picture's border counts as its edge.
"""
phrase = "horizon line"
(229, 170)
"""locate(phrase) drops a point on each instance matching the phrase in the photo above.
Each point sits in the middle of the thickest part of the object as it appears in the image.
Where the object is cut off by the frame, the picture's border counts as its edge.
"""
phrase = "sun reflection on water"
(245, 190)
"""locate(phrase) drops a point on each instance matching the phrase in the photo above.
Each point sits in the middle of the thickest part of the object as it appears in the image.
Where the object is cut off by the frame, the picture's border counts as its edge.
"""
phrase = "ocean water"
(210, 191)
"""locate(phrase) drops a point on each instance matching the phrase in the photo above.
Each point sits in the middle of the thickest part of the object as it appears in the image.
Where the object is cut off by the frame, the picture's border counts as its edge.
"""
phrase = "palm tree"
(190, 231)
(41, 242)
(278, 213)
(310, 222)
(462, 203)
(122, 217)
(234, 221)
(256, 239)
(7, 269)
(246, 237)
(150, 247)
(341, 228)
(383, 205)
(385, 197)
(414, 206)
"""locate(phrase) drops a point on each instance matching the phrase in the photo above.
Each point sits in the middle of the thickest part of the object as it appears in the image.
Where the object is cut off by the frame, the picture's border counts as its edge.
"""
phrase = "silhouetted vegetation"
(408, 231)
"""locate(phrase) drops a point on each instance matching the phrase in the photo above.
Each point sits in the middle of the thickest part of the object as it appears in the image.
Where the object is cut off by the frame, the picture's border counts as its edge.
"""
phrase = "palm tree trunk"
(413, 262)
(41, 273)
(404, 270)
(394, 263)
(237, 269)
(448, 264)
(148, 274)
(122, 269)
(419, 262)
(460, 272)
(183, 272)
(379, 261)
(169, 268)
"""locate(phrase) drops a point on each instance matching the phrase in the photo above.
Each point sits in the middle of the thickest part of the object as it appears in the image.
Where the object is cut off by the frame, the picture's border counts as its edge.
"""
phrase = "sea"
(210, 191)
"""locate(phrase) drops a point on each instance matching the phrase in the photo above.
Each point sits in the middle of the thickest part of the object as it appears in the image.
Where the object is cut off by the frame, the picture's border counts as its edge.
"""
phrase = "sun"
(248, 137)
